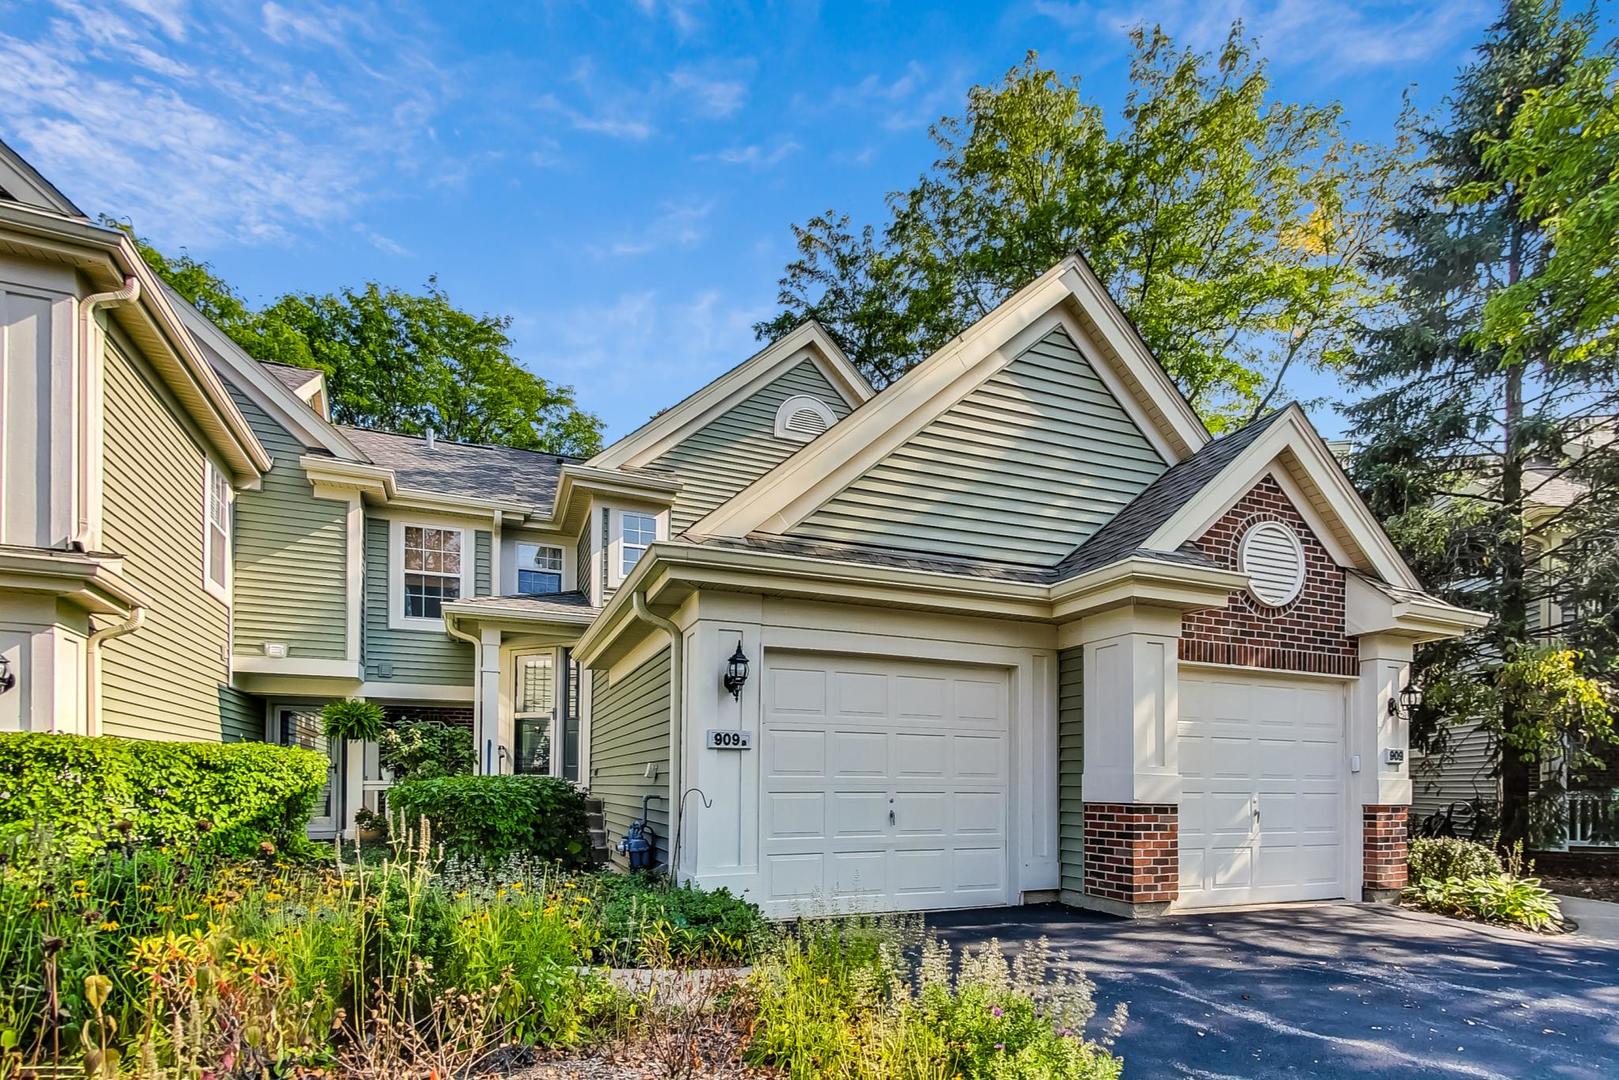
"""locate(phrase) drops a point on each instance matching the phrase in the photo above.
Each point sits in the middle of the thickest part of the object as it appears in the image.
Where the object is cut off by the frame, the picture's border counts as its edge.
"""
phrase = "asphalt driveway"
(1332, 991)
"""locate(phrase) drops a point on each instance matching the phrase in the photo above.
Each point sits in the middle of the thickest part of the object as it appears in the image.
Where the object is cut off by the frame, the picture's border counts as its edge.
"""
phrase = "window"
(639, 531)
(539, 569)
(216, 539)
(1273, 559)
(432, 568)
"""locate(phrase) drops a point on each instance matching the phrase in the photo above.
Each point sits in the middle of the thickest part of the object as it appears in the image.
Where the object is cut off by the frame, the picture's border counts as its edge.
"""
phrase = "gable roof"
(1068, 296)
(524, 477)
(21, 182)
(808, 340)
(291, 376)
(1128, 532)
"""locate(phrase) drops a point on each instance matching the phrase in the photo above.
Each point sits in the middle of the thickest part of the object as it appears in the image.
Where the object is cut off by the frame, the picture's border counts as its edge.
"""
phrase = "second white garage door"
(884, 785)
(1262, 789)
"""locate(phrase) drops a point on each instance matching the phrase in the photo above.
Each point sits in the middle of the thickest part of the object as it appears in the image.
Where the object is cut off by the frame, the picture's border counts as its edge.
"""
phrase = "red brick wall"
(1387, 846)
(1132, 852)
(1306, 634)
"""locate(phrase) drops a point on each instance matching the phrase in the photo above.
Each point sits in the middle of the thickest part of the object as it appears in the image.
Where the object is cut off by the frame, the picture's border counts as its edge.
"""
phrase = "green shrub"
(494, 817)
(1440, 858)
(352, 718)
(643, 913)
(423, 749)
(90, 793)
(1496, 898)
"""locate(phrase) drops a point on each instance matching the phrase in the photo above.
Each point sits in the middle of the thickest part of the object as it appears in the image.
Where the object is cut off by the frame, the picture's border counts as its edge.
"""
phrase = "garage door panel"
(1271, 743)
(927, 741)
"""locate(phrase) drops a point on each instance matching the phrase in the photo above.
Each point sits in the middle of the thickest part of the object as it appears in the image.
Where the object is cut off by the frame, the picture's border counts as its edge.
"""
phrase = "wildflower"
(110, 924)
(995, 1011)
(41, 905)
(164, 909)
(191, 916)
(823, 980)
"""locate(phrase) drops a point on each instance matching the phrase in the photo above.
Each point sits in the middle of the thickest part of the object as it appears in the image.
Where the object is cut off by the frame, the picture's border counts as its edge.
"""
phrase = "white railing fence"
(1592, 818)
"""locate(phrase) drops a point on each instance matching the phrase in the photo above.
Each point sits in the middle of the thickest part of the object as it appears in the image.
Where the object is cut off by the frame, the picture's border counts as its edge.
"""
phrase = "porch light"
(8, 678)
(736, 672)
(1403, 704)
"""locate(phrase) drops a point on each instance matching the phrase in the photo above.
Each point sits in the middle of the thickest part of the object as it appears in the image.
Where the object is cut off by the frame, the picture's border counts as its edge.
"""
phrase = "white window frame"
(397, 619)
(518, 565)
(213, 476)
(615, 554)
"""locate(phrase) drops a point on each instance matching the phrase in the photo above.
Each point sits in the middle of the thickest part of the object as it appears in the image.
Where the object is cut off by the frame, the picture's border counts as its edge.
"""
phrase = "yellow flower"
(41, 905)
(110, 924)
(569, 885)
(272, 896)
(164, 909)
(191, 917)
(823, 980)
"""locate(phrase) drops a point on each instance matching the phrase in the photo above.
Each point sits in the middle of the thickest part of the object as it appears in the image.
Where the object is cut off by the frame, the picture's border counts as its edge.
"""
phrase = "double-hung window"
(539, 569)
(639, 531)
(432, 569)
(216, 532)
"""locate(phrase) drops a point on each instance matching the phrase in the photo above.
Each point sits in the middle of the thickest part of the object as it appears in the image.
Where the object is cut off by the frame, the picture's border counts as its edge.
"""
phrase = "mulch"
(1604, 887)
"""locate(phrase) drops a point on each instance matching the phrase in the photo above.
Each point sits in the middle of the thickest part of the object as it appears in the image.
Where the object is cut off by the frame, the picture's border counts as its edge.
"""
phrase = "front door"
(534, 711)
(300, 725)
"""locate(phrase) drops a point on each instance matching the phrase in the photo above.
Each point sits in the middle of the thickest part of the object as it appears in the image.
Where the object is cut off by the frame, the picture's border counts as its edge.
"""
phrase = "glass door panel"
(301, 725)
(534, 704)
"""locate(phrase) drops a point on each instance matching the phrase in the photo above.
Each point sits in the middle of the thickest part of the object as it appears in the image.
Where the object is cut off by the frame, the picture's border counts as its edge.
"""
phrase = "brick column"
(1132, 857)
(1386, 849)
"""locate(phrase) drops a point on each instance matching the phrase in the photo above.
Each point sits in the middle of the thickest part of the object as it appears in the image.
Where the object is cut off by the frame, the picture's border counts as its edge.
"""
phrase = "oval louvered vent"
(803, 417)
(1273, 559)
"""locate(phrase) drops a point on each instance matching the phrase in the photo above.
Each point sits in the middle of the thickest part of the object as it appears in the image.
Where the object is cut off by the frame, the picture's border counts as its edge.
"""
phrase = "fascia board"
(651, 439)
(24, 175)
(491, 613)
(1289, 433)
(361, 476)
(1144, 581)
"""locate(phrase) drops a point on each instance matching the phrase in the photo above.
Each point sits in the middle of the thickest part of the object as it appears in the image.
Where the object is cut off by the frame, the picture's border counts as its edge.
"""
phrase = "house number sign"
(719, 739)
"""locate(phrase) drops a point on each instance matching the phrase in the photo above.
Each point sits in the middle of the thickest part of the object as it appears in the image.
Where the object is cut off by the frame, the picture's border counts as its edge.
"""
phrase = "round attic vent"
(1273, 559)
(803, 417)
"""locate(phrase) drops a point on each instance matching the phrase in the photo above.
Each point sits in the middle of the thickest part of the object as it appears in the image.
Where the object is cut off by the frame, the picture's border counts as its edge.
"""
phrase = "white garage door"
(884, 785)
(1262, 795)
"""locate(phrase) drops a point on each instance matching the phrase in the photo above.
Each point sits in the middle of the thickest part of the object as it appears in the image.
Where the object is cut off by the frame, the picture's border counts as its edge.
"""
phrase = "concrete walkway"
(1598, 919)
(1333, 990)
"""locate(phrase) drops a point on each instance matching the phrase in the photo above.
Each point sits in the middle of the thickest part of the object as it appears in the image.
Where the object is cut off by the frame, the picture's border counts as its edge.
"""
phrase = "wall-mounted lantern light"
(736, 672)
(1403, 704)
(8, 678)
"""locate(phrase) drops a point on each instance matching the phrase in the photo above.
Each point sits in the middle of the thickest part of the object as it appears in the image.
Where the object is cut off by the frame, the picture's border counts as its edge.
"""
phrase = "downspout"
(477, 682)
(84, 537)
(92, 664)
(677, 718)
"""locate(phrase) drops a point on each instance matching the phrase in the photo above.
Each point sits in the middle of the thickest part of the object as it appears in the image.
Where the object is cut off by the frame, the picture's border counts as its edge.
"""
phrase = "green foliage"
(396, 360)
(423, 749)
(352, 718)
(642, 911)
(1495, 898)
(874, 998)
(1230, 227)
(89, 793)
(1438, 858)
(493, 817)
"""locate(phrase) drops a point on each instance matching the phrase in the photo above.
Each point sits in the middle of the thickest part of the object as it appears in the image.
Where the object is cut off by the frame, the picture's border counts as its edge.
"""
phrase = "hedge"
(91, 793)
(492, 817)
(1441, 858)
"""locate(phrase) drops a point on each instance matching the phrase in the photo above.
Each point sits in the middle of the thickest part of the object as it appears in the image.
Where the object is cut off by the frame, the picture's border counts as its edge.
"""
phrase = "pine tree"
(1467, 433)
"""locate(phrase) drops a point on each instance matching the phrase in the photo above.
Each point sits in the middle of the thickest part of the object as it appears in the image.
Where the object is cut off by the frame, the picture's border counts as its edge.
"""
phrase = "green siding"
(291, 549)
(241, 715)
(415, 656)
(1071, 767)
(581, 563)
(739, 446)
(629, 726)
(162, 681)
(1023, 469)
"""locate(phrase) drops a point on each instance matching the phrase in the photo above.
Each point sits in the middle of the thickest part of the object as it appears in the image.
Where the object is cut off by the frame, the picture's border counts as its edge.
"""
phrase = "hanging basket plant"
(352, 718)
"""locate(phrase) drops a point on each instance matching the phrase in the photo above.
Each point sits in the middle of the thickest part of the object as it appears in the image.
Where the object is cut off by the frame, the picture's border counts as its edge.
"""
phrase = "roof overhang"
(1144, 581)
(106, 257)
(1373, 607)
(91, 581)
(563, 625)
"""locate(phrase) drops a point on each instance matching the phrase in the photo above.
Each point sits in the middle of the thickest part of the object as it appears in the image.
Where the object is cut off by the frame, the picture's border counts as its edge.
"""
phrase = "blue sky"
(619, 177)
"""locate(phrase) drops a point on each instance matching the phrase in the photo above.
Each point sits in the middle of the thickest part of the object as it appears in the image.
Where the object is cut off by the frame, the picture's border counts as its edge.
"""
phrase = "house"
(1014, 628)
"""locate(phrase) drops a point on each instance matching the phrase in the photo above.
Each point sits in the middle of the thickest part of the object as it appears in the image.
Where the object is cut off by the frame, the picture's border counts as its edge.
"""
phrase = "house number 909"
(729, 740)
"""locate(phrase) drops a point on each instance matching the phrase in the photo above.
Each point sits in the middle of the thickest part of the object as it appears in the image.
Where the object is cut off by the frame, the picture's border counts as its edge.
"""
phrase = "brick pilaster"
(1132, 856)
(1386, 848)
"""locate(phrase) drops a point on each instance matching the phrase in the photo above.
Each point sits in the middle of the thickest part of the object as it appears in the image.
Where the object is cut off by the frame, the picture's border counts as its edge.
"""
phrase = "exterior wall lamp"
(1403, 704)
(8, 678)
(736, 672)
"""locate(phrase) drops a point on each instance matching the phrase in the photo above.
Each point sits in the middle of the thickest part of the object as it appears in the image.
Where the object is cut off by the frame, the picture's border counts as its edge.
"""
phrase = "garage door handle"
(1255, 805)
(891, 817)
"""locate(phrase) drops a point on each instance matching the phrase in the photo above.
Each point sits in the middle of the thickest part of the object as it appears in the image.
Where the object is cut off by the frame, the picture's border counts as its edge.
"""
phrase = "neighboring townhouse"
(1014, 628)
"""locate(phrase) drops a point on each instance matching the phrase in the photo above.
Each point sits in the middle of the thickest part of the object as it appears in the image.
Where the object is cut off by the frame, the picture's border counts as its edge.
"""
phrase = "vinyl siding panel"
(629, 727)
(581, 561)
(291, 554)
(1071, 767)
(241, 715)
(739, 446)
(1022, 470)
(1461, 774)
(164, 680)
(417, 656)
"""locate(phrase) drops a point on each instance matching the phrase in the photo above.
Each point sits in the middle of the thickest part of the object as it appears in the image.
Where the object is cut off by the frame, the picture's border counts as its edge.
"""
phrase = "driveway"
(1334, 990)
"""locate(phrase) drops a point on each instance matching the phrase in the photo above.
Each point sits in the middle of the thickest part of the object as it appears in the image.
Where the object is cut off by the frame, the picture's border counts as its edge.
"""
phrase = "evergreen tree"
(1485, 449)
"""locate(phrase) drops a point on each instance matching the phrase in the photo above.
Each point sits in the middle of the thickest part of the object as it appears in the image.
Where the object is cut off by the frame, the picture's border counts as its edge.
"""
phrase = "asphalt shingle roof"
(289, 375)
(562, 603)
(525, 477)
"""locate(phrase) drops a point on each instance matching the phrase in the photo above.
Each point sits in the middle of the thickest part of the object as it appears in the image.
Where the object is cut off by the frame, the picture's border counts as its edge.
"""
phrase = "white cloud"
(678, 225)
(1291, 32)
(682, 14)
(199, 131)
(756, 156)
(711, 92)
(915, 98)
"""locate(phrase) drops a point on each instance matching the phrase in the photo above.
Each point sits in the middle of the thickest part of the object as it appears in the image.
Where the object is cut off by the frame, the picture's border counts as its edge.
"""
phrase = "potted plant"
(370, 826)
(352, 718)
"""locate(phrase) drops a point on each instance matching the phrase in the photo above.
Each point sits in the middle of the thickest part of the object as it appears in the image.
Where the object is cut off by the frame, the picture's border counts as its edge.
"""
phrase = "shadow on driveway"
(1340, 990)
